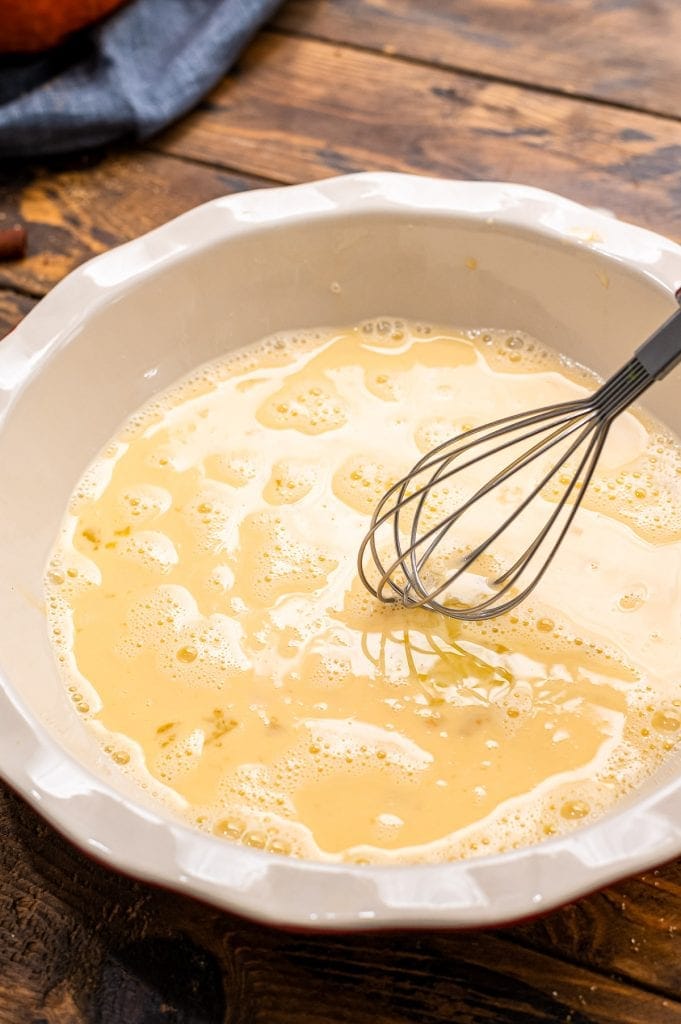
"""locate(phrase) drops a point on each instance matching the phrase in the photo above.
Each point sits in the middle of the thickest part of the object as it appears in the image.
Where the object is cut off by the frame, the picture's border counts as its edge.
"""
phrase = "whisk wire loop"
(574, 425)
(508, 578)
(437, 533)
(491, 607)
(578, 429)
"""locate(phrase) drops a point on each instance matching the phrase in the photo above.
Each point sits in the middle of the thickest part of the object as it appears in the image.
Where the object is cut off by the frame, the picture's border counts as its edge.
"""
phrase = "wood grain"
(76, 209)
(633, 928)
(611, 49)
(300, 109)
(13, 307)
(273, 120)
(82, 945)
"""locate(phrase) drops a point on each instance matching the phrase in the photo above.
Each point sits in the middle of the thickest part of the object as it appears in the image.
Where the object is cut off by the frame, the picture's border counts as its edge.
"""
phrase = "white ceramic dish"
(135, 319)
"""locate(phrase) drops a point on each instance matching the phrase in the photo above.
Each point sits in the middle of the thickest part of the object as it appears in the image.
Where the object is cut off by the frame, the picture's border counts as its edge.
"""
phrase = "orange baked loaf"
(31, 25)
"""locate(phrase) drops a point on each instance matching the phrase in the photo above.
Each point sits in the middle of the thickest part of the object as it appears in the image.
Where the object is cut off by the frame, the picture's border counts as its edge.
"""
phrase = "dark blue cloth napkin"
(127, 77)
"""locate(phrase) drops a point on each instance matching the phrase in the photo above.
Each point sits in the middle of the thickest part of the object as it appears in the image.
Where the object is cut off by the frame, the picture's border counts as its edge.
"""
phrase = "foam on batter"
(208, 621)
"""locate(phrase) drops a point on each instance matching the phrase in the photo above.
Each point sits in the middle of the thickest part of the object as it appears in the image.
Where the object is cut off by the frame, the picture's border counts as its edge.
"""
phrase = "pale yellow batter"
(208, 620)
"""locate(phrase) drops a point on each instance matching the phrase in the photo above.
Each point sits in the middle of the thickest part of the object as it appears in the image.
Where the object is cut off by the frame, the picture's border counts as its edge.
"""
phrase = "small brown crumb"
(13, 243)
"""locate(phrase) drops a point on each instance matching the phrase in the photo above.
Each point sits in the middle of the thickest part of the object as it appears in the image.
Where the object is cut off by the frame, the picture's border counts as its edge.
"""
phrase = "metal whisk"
(403, 541)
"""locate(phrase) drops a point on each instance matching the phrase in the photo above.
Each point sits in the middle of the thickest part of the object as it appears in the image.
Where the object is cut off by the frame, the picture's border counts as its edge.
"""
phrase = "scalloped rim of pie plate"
(286, 891)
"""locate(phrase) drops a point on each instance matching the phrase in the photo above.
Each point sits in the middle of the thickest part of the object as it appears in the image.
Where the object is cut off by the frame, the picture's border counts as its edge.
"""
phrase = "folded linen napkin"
(127, 77)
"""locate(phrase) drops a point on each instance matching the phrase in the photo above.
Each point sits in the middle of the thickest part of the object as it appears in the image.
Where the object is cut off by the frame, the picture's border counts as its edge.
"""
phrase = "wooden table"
(582, 97)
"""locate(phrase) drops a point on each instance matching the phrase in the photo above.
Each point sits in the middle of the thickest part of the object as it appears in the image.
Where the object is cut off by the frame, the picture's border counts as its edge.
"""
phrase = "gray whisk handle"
(662, 351)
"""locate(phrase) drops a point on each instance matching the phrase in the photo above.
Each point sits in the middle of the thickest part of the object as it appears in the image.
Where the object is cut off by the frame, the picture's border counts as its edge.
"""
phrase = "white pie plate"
(137, 318)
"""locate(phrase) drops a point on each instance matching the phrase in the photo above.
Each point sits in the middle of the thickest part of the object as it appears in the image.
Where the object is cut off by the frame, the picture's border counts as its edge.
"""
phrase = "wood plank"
(614, 50)
(13, 308)
(258, 122)
(633, 928)
(75, 210)
(288, 114)
(79, 943)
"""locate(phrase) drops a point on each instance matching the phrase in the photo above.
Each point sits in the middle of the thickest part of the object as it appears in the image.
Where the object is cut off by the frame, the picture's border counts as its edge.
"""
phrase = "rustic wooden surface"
(582, 97)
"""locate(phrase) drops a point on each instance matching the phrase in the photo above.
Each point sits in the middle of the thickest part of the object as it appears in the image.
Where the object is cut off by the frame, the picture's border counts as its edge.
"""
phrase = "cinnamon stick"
(13, 243)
